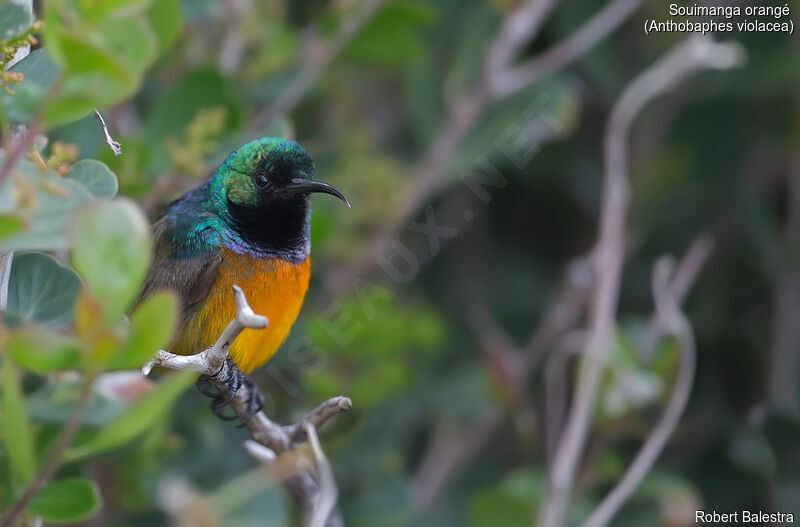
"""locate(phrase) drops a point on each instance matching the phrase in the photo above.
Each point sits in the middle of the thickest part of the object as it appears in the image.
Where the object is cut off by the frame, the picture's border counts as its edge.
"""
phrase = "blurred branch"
(675, 323)
(686, 274)
(785, 353)
(21, 140)
(328, 493)
(510, 81)
(310, 489)
(519, 28)
(5, 273)
(690, 56)
(318, 57)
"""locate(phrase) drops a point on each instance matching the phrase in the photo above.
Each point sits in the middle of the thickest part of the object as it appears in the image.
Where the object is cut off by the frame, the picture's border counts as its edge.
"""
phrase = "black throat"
(278, 227)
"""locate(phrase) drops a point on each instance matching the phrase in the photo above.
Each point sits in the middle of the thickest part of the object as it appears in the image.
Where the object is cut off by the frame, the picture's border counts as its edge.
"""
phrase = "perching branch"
(309, 488)
(690, 56)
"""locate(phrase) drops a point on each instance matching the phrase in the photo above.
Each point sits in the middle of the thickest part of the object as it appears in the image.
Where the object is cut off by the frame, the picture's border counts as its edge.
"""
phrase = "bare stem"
(508, 82)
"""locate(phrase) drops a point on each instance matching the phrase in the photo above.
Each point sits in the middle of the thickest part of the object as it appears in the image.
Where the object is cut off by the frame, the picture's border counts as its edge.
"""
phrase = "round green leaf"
(67, 501)
(111, 250)
(165, 19)
(47, 216)
(96, 177)
(131, 40)
(14, 19)
(41, 290)
(39, 73)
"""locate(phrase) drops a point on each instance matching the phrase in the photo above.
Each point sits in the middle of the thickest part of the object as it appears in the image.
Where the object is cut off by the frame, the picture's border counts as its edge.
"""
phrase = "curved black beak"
(299, 185)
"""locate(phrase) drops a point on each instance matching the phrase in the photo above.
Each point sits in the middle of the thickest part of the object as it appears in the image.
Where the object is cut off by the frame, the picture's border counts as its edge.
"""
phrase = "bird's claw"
(233, 380)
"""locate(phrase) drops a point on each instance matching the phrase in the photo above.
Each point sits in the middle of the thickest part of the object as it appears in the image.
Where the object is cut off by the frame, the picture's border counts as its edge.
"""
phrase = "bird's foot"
(229, 376)
(232, 378)
(255, 401)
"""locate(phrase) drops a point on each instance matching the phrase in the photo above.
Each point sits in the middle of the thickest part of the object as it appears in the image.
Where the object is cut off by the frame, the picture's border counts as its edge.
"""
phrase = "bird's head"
(263, 192)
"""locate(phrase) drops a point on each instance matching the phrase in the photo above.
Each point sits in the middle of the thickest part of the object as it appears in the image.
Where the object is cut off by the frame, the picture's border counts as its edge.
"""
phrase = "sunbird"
(248, 225)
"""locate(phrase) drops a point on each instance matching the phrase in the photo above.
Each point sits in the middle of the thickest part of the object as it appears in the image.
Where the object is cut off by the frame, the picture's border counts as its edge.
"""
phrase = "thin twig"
(54, 459)
(691, 55)
(328, 492)
(506, 83)
(113, 145)
(674, 323)
(686, 274)
(19, 147)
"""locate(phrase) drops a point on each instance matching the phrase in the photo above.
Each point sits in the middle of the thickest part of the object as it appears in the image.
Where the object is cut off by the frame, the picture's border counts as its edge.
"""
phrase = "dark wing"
(185, 259)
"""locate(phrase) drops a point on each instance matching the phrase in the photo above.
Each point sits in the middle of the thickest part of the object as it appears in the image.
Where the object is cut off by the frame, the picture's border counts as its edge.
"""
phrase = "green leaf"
(54, 401)
(44, 351)
(511, 502)
(93, 77)
(165, 18)
(111, 250)
(750, 450)
(137, 419)
(44, 202)
(40, 71)
(9, 225)
(151, 329)
(14, 20)
(82, 56)
(67, 501)
(130, 40)
(393, 35)
(96, 177)
(41, 290)
(205, 88)
(17, 434)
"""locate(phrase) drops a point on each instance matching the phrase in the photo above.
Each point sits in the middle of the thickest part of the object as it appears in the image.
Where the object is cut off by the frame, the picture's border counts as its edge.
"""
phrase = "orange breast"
(274, 287)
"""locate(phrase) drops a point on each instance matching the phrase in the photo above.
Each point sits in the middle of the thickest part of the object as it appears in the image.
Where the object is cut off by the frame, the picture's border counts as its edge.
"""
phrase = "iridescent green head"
(261, 191)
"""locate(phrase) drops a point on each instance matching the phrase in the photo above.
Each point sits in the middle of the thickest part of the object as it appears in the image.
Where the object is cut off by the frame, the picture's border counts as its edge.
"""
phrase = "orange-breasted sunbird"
(248, 225)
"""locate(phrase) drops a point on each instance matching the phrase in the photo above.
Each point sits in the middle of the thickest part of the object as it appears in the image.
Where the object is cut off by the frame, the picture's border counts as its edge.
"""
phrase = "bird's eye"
(261, 181)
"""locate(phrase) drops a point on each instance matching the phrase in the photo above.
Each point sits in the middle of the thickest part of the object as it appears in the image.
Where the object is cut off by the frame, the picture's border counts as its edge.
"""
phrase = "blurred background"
(445, 301)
